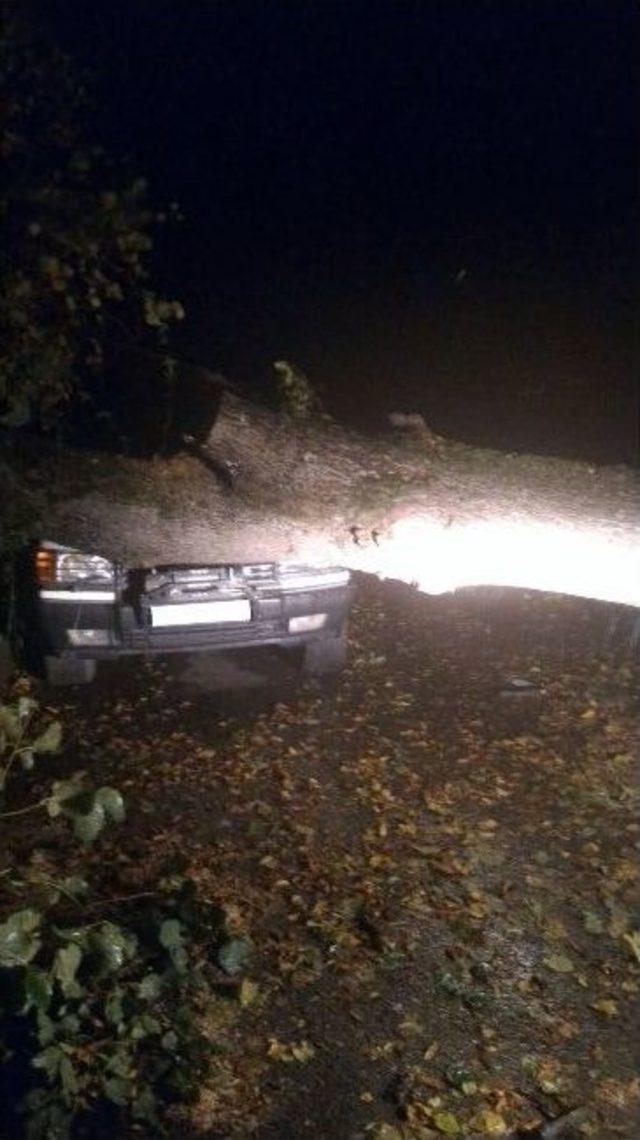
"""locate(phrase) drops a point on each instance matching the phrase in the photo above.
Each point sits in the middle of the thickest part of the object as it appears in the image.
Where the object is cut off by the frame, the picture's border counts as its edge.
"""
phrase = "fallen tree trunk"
(425, 510)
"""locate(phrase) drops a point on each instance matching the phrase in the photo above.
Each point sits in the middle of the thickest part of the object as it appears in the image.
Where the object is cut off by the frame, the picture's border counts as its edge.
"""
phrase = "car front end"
(88, 608)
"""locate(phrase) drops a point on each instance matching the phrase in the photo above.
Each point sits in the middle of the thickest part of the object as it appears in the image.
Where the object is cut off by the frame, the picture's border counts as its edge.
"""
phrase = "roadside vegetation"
(77, 235)
(78, 230)
(103, 986)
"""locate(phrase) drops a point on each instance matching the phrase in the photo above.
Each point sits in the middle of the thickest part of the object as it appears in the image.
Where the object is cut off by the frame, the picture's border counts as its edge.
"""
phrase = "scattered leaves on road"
(437, 885)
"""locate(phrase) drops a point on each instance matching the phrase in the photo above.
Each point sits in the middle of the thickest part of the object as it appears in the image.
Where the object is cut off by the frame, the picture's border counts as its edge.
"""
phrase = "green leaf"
(144, 1106)
(87, 827)
(27, 759)
(68, 1079)
(113, 1008)
(113, 945)
(46, 1029)
(144, 1026)
(10, 722)
(117, 1090)
(49, 1060)
(150, 987)
(75, 885)
(451, 985)
(112, 803)
(48, 1119)
(69, 1025)
(65, 967)
(171, 934)
(26, 706)
(120, 1062)
(233, 955)
(19, 939)
(62, 792)
(38, 989)
(49, 740)
(170, 1041)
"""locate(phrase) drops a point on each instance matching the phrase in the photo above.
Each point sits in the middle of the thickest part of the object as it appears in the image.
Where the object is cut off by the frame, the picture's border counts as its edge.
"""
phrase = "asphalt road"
(434, 859)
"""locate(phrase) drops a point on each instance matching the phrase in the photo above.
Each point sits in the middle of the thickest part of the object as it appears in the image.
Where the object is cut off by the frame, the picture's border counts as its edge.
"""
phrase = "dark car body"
(81, 608)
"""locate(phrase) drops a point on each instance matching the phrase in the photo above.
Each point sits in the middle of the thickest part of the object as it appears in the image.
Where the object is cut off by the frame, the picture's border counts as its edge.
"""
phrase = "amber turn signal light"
(45, 567)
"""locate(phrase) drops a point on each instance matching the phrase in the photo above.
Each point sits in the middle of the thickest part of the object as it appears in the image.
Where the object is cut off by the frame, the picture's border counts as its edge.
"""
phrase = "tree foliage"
(295, 394)
(76, 236)
(99, 996)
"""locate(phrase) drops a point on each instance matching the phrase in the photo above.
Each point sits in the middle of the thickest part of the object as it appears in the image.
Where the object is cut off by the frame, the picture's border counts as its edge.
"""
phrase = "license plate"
(201, 613)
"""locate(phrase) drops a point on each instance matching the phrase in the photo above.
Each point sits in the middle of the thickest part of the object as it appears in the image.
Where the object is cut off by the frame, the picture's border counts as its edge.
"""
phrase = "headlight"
(60, 566)
(312, 577)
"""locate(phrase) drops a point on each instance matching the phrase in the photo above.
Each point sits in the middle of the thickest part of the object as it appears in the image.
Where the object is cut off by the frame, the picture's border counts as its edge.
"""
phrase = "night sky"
(423, 204)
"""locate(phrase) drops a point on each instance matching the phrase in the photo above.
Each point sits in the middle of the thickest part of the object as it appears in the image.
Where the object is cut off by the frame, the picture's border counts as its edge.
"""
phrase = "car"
(73, 609)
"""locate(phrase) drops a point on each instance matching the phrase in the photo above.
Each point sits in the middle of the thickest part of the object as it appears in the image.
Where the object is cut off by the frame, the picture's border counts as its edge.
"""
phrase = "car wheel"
(69, 670)
(322, 658)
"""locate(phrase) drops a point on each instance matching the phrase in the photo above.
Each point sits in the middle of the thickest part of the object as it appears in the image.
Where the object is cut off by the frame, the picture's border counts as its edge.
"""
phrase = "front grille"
(178, 579)
(155, 640)
(200, 577)
(258, 573)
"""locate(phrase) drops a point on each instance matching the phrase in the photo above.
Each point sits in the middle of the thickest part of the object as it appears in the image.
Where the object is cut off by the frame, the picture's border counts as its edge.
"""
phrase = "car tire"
(326, 657)
(69, 670)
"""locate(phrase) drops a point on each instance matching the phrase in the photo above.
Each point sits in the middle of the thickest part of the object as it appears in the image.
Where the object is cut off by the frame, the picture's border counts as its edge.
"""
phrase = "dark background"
(427, 206)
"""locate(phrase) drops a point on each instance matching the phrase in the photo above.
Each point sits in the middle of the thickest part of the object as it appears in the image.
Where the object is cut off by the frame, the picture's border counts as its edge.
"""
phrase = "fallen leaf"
(277, 1050)
(386, 1131)
(233, 955)
(618, 924)
(247, 993)
(606, 1006)
(559, 963)
(488, 1122)
(632, 940)
(555, 929)
(548, 1077)
(448, 1123)
(410, 1027)
(303, 1052)
(592, 922)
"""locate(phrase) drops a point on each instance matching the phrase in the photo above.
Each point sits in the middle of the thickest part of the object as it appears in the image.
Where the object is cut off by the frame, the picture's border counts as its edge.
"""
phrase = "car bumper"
(121, 630)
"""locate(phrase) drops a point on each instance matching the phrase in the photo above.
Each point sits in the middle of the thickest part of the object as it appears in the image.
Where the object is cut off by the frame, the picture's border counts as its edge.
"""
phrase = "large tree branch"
(437, 513)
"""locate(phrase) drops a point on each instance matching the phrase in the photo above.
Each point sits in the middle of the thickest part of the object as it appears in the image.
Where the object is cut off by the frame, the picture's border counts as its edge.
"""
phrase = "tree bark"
(440, 514)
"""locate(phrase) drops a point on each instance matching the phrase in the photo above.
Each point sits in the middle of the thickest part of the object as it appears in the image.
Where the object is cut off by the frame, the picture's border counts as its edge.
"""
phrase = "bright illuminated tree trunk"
(432, 512)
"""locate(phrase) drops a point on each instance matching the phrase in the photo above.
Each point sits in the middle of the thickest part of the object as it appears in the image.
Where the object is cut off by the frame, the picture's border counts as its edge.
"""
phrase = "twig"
(24, 810)
(121, 899)
(63, 891)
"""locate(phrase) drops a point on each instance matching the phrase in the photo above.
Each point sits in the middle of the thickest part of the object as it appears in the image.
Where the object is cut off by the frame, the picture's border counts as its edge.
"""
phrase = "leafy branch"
(104, 993)
(17, 743)
(77, 234)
